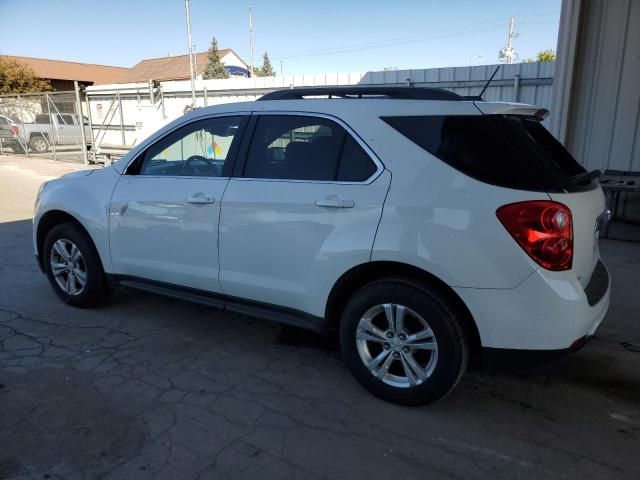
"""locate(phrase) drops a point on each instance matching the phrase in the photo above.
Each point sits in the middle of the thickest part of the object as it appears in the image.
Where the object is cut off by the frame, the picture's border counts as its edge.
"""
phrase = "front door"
(68, 129)
(304, 211)
(165, 209)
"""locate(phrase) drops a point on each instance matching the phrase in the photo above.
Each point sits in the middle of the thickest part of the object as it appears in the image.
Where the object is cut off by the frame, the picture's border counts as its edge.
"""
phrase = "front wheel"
(402, 342)
(73, 266)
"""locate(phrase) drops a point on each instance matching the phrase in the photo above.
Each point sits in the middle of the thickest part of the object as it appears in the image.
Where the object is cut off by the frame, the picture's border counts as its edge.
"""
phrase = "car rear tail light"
(544, 229)
(14, 130)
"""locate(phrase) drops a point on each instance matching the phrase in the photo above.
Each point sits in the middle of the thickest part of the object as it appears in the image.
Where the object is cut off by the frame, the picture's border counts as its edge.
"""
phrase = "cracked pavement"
(151, 387)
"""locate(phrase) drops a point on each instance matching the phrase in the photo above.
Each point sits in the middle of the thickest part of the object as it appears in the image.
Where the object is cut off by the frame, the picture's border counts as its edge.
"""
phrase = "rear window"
(505, 150)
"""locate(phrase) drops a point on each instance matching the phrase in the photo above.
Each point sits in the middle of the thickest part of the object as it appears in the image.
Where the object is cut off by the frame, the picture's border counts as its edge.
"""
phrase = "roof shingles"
(167, 68)
(63, 70)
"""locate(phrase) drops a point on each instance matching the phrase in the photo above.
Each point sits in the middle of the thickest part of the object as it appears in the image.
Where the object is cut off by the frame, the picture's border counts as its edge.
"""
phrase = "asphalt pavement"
(154, 388)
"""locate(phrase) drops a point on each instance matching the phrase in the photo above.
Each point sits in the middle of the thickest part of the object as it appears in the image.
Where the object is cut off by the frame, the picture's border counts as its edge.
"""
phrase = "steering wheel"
(199, 158)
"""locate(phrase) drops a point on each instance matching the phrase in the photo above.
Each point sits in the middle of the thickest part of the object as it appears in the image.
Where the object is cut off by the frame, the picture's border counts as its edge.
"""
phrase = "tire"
(39, 144)
(61, 239)
(365, 318)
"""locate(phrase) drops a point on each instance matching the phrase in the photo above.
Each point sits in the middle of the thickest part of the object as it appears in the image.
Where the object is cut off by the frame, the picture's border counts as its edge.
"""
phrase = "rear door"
(303, 209)
(586, 208)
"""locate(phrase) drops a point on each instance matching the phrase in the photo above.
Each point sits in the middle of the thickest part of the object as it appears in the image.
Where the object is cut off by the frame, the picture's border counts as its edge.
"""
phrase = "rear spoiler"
(502, 108)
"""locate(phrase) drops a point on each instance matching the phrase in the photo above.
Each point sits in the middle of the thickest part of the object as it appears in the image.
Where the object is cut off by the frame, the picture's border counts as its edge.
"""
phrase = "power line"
(479, 26)
(465, 30)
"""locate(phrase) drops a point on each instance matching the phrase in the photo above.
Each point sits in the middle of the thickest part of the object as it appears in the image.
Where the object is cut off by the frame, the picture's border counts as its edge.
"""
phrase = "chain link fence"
(50, 125)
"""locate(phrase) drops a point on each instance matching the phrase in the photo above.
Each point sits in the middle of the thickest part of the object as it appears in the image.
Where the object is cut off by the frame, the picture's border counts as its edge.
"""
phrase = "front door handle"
(335, 202)
(200, 199)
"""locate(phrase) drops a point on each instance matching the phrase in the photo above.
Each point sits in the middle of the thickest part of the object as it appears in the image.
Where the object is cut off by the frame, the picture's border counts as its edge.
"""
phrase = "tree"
(15, 77)
(214, 67)
(266, 70)
(542, 56)
(546, 56)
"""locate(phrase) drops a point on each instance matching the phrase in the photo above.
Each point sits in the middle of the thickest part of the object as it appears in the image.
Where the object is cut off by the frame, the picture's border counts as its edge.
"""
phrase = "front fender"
(85, 197)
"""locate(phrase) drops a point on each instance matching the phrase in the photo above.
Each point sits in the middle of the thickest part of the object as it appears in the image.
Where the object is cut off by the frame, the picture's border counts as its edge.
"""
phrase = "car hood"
(79, 173)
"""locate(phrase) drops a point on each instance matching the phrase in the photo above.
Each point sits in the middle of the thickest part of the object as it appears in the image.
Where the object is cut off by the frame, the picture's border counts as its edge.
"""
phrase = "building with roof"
(62, 74)
(177, 67)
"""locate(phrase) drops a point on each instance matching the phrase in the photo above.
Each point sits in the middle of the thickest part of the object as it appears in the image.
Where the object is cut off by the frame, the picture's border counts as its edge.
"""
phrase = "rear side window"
(508, 151)
(355, 165)
(291, 147)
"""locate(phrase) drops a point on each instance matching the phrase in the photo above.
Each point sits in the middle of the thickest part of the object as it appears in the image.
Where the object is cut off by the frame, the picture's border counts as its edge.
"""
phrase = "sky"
(306, 36)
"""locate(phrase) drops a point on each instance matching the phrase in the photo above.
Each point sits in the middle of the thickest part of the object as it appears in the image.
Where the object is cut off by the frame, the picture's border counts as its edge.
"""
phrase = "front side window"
(199, 149)
(293, 147)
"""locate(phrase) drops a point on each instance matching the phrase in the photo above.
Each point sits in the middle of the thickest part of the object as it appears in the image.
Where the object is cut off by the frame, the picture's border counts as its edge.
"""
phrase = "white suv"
(426, 228)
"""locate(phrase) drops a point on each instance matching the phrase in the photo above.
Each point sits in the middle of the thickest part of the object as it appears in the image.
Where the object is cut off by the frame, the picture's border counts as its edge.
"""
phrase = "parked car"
(9, 134)
(425, 228)
(59, 128)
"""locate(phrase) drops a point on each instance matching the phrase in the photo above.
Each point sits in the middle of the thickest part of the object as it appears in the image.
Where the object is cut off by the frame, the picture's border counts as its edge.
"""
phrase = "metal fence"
(49, 124)
(125, 114)
(103, 122)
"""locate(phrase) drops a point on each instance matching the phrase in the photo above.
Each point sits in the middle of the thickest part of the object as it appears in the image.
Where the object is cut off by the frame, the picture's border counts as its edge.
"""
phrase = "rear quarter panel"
(443, 221)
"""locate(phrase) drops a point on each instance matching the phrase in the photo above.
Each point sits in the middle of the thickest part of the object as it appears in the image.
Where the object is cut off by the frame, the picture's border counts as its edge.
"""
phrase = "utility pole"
(510, 42)
(195, 59)
(191, 72)
(281, 74)
(250, 41)
(507, 52)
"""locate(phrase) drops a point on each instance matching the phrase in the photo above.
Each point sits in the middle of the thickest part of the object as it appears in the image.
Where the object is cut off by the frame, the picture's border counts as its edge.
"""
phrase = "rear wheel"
(402, 342)
(73, 267)
(39, 144)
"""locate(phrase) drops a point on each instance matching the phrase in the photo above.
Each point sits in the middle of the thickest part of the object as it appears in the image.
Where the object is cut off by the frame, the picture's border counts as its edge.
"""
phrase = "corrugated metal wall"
(535, 81)
(603, 129)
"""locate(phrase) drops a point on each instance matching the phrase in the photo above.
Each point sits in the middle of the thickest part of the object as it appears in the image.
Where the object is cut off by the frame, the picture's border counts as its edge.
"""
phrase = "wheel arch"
(51, 219)
(33, 135)
(359, 276)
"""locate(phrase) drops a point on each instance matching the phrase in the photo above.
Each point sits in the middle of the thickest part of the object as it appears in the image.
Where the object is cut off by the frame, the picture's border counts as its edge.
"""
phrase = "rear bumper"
(506, 359)
(547, 312)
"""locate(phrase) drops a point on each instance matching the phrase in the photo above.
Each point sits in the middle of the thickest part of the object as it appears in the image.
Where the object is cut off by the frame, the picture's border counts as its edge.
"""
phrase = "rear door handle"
(335, 202)
(200, 199)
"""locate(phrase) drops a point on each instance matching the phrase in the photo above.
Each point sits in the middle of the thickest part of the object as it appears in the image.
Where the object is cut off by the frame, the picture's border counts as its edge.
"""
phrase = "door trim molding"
(268, 311)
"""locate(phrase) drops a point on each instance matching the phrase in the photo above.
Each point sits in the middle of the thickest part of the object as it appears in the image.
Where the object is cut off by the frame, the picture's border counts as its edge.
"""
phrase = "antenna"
(489, 81)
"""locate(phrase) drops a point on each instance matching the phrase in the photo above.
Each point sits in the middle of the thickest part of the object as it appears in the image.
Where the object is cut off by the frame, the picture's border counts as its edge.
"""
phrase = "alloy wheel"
(397, 345)
(68, 267)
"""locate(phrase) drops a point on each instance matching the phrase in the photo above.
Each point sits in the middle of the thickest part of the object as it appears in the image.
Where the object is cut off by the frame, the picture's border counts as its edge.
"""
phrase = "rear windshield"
(505, 150)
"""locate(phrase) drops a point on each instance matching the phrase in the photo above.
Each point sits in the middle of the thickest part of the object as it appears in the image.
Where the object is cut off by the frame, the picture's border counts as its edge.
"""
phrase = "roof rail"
(398, 93)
